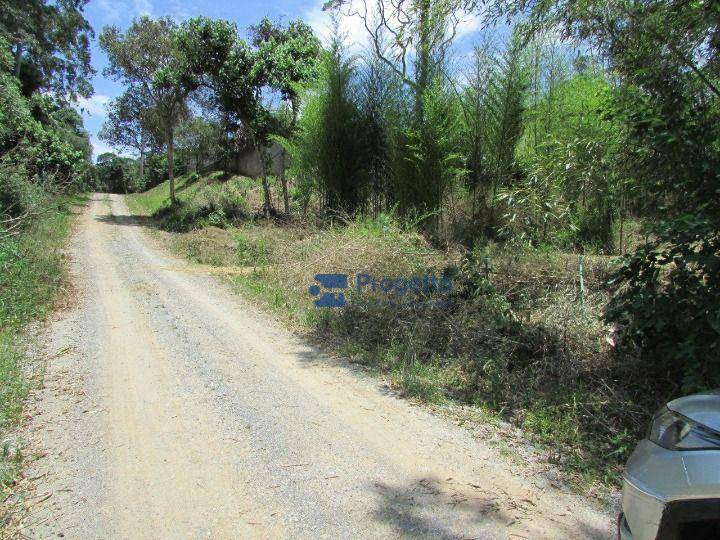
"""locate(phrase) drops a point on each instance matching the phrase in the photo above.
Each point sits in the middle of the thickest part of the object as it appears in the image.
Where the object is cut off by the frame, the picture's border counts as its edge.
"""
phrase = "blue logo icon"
(329, 299)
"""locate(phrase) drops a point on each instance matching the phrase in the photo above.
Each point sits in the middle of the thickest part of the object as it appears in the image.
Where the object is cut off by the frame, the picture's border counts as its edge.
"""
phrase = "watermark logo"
(329, 299)
(415, 290)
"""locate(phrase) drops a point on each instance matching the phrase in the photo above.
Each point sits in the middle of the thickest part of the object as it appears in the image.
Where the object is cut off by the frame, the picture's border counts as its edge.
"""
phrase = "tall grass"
(31, 278)
(329, 150)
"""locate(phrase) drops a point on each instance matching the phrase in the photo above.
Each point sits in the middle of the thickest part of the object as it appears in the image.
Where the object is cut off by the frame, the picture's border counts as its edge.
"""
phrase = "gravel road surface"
(172, 408)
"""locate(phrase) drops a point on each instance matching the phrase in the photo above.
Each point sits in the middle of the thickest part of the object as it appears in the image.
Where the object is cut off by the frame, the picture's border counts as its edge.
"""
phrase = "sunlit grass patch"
(31, 278)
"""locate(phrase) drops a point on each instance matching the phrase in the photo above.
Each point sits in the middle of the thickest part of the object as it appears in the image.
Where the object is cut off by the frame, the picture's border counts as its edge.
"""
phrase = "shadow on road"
(423, 507)
(127, 220)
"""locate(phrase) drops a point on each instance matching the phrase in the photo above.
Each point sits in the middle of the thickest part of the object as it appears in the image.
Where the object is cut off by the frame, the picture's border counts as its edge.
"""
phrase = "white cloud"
(118, 11)
(355, 31)
(94, 105)
(470, 24)
(321, 23)
(100, 147)
(144, 7)
(181, 12)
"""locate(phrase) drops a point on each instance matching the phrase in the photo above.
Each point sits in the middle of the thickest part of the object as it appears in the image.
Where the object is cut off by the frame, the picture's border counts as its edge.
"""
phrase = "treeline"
(44, 67)
(198, 86)
(514, 145)
(554, 135)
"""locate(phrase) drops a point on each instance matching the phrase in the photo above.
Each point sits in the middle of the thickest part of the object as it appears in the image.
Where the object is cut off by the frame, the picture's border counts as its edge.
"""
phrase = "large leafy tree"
(149, 55)
(197, 137)
(286, 58)
(238, 88)
(43, 148)
(131, 123)
(227, 65)
(50, 44)
(115, 173)
(280, 58)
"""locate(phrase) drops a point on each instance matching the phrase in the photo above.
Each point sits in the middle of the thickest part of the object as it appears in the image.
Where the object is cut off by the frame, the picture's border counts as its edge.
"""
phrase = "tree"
(328, 149)
(226, 64)
(412, 38)
(44, 149)
(223, 62)
(506, 105)
(197, 137)
(115, 173)
(50, 44)
(571, 186)
(149, 55)
(287, 56)
(130, 122)
(380, 94)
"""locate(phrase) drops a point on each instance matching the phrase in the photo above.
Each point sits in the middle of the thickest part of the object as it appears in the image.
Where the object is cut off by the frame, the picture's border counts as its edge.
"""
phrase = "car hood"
(701, 408)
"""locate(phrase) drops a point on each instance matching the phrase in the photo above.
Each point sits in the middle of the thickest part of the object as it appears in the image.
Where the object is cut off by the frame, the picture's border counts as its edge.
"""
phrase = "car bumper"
(665, 490)
(642, 513)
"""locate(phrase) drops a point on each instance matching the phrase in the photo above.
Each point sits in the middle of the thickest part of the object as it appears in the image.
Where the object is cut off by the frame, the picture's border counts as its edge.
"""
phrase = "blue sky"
(244, 12)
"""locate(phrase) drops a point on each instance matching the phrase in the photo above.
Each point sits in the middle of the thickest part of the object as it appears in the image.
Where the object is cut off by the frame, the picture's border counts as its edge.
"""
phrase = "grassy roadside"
(520, 340)
(31, 279)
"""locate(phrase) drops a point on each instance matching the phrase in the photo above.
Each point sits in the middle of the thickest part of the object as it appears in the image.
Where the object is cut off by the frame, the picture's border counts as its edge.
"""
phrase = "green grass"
(186, 187)
(31, 278)
(150, 201)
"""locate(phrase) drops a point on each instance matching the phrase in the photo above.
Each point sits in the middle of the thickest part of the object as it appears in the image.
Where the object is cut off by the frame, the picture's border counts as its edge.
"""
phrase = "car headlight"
(675, 432)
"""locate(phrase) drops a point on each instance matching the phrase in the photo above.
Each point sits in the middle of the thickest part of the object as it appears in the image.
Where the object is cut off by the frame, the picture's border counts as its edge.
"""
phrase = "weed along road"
(171, 408)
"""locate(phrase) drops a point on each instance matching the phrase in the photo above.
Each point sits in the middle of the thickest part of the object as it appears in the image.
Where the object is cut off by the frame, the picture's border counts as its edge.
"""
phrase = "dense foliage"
(44, 154)
(44, 149)
(665, 54)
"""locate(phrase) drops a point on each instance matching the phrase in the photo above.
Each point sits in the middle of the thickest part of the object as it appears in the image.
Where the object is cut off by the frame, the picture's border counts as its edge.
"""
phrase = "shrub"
(216, 205)
(668, 305)
(223, 198)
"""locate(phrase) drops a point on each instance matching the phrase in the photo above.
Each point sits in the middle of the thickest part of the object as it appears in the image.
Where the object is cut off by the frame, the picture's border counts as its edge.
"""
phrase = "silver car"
(671, 484)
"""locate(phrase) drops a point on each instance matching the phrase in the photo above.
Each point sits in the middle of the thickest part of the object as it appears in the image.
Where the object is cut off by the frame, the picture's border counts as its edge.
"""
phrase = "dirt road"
(173, 409)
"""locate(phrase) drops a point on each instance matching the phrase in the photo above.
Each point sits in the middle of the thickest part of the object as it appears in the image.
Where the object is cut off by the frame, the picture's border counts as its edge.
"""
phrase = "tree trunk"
(260, 149)
(294, 106)
(142, 164)
(18, 59)
(142, 154)
(171, 171)
(423, 60)
(266, 186)
(283, 181)
(266, 193)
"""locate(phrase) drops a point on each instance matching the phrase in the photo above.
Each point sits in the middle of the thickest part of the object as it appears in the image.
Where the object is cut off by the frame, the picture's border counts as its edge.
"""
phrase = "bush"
(43, 150)
(216, 205)
(224, 198)
(668, 305)
(31, 268)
